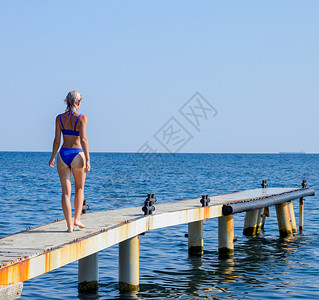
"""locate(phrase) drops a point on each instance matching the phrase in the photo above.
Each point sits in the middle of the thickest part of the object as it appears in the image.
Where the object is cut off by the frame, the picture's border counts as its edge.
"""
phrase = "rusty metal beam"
(233, 208)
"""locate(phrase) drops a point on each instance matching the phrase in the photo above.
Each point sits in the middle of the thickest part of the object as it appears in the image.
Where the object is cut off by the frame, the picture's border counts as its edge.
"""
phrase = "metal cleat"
(149, 207)
(264, 184)
(205, 200)
(304, 184)
(85, 207)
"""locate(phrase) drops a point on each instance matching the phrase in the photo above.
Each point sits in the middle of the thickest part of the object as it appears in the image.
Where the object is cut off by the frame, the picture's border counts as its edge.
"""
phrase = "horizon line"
(129, 152)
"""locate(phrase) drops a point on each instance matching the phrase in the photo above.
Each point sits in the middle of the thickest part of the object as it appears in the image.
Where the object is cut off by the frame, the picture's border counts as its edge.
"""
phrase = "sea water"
(264, 267)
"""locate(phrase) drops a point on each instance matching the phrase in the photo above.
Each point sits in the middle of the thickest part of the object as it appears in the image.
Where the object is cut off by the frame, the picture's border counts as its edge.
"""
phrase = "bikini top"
(69, 131)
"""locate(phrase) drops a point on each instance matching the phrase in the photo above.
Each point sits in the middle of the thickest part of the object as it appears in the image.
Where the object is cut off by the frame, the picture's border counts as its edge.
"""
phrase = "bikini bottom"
(68, 154)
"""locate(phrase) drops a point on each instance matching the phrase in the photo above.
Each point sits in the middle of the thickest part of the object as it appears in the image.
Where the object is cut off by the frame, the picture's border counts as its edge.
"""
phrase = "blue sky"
(137, 63)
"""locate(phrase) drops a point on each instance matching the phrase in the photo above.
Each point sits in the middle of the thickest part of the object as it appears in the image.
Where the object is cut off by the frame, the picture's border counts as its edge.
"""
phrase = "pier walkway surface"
(38, 250)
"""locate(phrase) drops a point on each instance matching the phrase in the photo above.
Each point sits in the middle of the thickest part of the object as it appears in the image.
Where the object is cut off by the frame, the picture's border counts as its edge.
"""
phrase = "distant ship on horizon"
(301, 152)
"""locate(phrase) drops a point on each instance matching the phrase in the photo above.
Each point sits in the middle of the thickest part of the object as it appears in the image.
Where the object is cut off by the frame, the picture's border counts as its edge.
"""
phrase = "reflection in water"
(196, 275)
(89, 296)
(202, 280)
(195, 261)
(288, 244)
(226, 271)
(256, 256)
(129, 295)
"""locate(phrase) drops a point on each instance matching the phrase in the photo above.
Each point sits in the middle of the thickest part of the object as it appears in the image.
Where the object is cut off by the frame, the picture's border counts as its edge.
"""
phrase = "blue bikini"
(68, 154)
(68, 131)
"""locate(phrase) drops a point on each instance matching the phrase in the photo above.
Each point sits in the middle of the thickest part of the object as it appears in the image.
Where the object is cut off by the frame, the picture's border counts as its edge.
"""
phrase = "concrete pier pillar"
(283, 218)
(195, 238)
(265, 214)
(88, 273)
(250, 225)
(292, 217)
(301, 214)
(226, 236)
(259, 220)
(129, 271)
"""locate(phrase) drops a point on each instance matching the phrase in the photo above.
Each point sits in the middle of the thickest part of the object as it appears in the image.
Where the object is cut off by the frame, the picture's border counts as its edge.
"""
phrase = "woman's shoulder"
(61, 114)
(83, 118)
(57, 118)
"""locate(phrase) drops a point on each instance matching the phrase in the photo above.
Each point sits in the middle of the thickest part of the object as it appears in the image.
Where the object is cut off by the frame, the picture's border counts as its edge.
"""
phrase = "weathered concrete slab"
(250, 194)
(10, 292)
(39, 250)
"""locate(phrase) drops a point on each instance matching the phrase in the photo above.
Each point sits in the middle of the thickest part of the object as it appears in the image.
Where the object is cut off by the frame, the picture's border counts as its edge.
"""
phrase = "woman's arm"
(56, 142)
(84, 143)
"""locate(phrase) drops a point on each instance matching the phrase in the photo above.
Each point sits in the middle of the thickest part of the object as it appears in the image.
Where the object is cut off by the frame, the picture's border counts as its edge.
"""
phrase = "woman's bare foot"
(79, 223)
(70, 230)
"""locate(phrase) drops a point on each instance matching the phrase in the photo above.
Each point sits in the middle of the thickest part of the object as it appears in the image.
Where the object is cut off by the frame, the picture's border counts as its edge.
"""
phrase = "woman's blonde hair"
(72, 100)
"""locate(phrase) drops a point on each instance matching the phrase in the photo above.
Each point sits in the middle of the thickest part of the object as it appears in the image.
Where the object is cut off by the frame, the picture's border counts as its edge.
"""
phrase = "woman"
(73, 156)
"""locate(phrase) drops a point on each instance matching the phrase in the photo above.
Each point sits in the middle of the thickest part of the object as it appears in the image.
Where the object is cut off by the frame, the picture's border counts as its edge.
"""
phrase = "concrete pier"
(264, 216)
(301, 214)
(292, 217)
(88, 273)
(283, 218)
(129, 264)
(226, 236)
(250, 226)
(260, 220)
(195, 238)
(42, 249)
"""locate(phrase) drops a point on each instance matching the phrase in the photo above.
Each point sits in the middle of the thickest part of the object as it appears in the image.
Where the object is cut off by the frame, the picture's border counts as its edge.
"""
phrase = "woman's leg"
(65, 178)
(79, 180)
